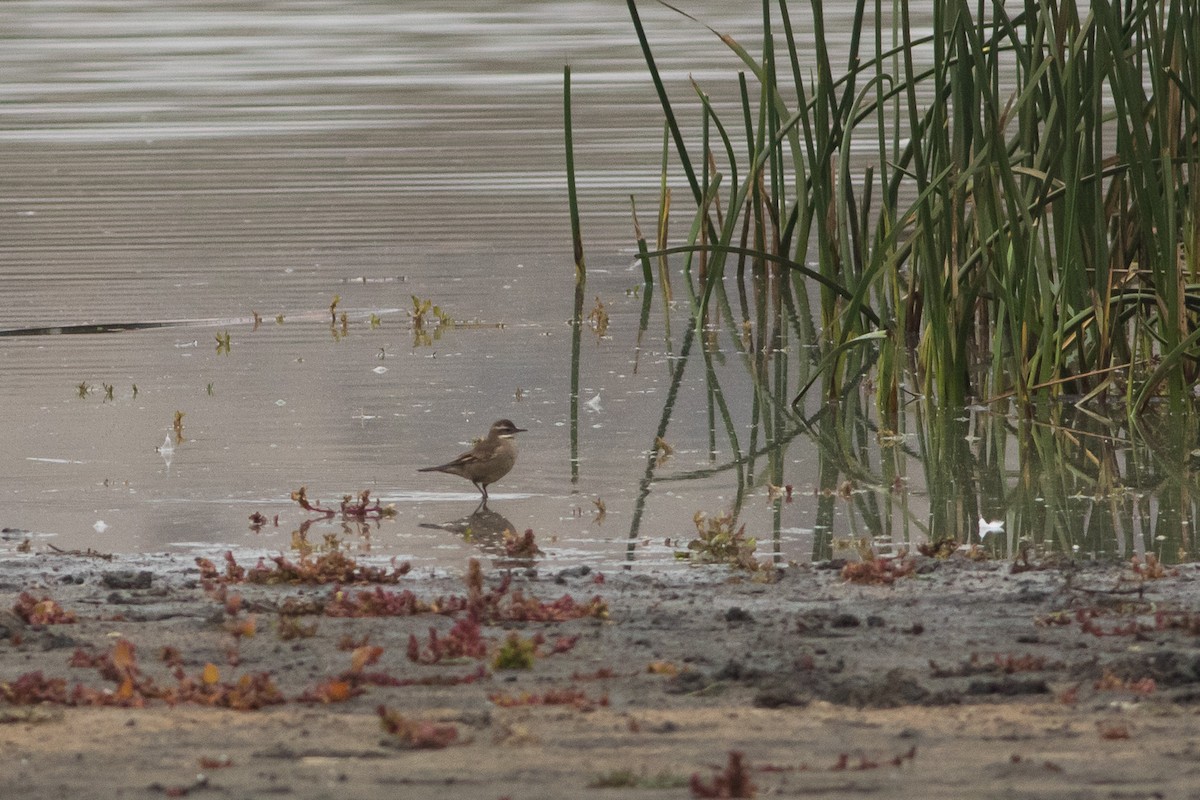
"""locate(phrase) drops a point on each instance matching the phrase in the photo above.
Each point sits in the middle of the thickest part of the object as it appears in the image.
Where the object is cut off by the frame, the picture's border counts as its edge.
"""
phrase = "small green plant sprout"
(337, 298)
(279, 318)
(83, 389)
(223, 343)
(516, 653)
(135, 391)
(717, 542)
(108, 391)
(421, 325)
(628, 779)
(375, 321)
(209, 389)
(598, 319)
(423, 307)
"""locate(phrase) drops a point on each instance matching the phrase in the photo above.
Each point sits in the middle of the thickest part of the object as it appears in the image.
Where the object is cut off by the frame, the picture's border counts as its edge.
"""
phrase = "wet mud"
(961, 679)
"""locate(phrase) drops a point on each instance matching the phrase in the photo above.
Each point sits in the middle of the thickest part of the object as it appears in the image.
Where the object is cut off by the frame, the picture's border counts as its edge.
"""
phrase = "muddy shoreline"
(962, 679)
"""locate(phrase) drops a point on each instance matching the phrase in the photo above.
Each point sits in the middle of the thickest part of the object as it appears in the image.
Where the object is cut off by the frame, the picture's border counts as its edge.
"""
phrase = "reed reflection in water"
(1013, 485)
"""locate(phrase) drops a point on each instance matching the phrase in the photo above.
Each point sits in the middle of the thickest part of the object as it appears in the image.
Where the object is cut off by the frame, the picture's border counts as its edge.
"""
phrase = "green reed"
(580, 272)
(1014, 219)
(996, 209)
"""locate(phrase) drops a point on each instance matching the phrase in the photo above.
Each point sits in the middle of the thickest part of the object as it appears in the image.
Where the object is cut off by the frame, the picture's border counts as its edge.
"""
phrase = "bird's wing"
(469, 457)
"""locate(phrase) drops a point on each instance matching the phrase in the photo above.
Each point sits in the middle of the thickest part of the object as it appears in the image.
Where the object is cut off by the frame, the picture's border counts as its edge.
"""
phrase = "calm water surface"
(199, 164)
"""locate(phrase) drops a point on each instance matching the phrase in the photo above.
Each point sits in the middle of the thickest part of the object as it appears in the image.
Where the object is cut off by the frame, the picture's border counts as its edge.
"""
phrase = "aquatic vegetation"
(576, 698)
(1141, 619)
(1110, 682)
(501, 605)
(416, 733)
(464, 640)
(629, 779)
(934, 251)
(879, 570)
(718, 542)
(845, 762)
(487, 606)
(223, 343)
(1149, 567)
(135, 689)
(516, 652)
(358, 507)
(937, 219)
(421, 308)
(521, 545)
(250, 691)
(733, 781)
(777, 493)
(349, 683)
(332, 567)
(330, 690)
(598, 319)
(377, 602)
(45, 611)
(289, 627)
(942, 548)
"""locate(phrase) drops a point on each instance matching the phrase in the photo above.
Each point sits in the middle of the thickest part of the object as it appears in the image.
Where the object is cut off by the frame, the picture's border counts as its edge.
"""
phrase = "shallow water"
(196, 165)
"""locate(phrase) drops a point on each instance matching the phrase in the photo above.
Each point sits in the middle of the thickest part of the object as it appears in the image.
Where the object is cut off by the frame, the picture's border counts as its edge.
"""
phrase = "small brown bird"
(489, 460)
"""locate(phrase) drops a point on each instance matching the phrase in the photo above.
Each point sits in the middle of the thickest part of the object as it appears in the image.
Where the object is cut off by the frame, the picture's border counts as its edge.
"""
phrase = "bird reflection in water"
(492, 533)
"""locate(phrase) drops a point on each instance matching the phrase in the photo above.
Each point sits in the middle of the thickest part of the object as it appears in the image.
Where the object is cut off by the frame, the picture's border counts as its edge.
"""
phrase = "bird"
(488, 461)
